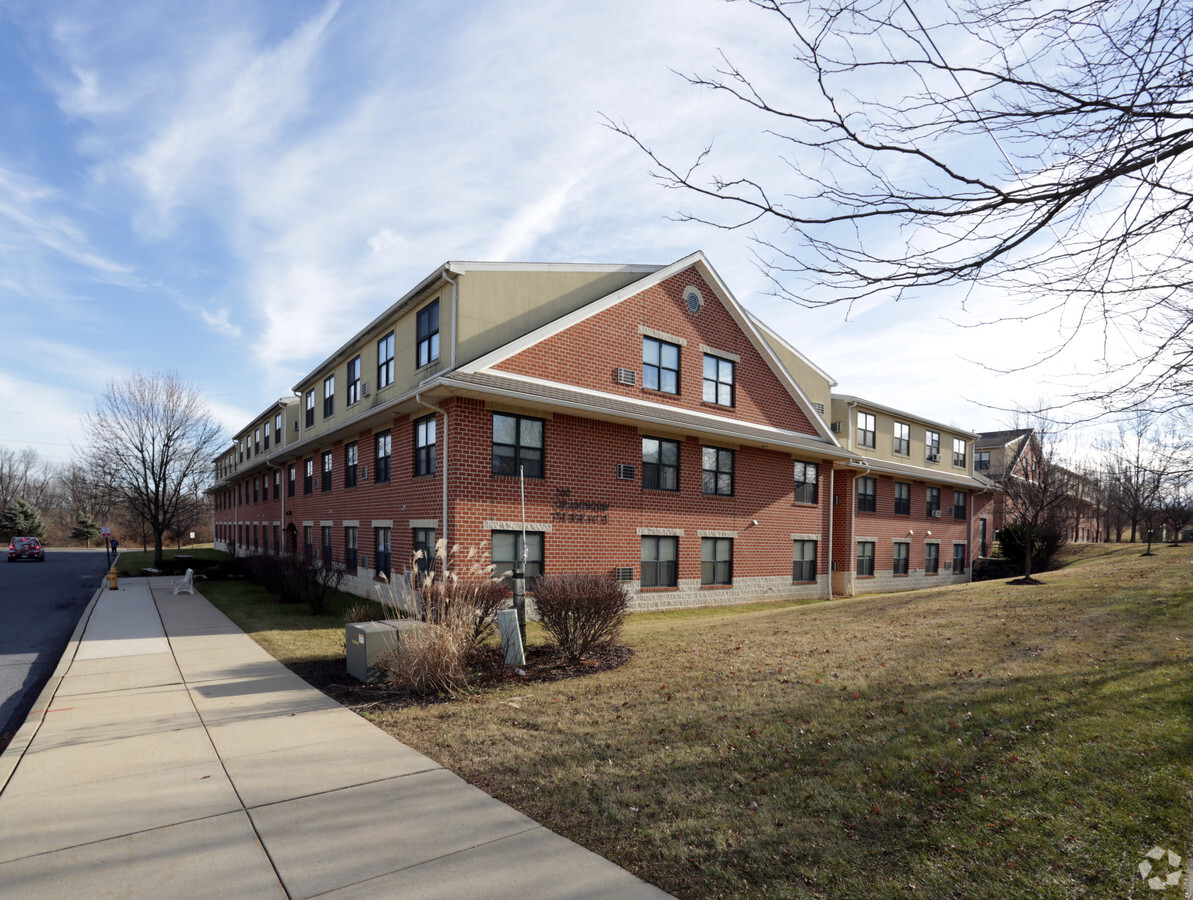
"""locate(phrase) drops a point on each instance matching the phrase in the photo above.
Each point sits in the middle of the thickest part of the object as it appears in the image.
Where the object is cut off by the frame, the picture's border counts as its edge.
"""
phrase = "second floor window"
(716, 476)
(327, 462)
(660, 366)
(351, 459)
(806, 482)
(867, 490)
(353, 380)
(381, 456)
(718, 380)
(329, 395)
(902, 441)
(266, 435)
(959, 452)
(308, 476)
(932, 444)
(902, 498)
(958, 504)
(428, 334)
(293, 476)
(517, 444)
(310, 407)
(424, 446)
(865, 429)
(385, 361)
(660, 464)
(933, 495)
(981, 460)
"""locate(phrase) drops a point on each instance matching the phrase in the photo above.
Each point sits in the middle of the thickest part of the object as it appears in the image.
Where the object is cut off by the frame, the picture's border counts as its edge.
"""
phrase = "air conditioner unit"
(364, 389)
(836, 427)
(624, 573)
(626, 376)
(626, 472)
(949, 511)
(364, 471)
(933, 457)
(935, 513)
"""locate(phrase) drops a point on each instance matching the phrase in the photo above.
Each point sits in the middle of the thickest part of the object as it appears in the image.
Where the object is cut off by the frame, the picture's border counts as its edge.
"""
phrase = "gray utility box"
(367, 643)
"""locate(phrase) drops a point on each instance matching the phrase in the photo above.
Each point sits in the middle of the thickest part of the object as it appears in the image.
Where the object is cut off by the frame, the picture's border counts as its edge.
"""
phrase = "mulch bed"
(486, 670)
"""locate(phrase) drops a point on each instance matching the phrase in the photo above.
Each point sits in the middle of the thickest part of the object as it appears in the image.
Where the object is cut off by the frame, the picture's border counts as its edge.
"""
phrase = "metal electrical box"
(366, 643)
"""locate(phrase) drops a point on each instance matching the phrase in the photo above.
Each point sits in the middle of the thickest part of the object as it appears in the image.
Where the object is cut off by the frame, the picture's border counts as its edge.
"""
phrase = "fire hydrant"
(112, 585)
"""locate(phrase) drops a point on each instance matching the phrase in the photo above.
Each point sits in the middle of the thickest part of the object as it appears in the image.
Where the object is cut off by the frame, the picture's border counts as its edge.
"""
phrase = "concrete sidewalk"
(171, 756)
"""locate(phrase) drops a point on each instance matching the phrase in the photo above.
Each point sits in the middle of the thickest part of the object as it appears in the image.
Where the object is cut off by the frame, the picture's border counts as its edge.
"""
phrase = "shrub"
(581, 612)
(1046, 543)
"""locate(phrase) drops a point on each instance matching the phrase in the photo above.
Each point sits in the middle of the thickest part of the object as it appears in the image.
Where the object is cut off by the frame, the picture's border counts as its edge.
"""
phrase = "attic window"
(693, 299)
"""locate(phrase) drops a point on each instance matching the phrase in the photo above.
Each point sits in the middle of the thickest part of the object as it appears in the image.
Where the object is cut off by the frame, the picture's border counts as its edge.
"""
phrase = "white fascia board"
(718, 425)
(656, 276)
(910, 416)
(914, 473)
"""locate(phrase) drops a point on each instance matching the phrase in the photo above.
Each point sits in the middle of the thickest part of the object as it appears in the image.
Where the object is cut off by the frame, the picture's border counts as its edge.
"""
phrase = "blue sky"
(231, 189)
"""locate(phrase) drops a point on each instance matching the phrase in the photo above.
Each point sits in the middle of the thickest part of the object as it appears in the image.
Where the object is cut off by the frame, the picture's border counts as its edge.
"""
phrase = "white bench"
(185, 583)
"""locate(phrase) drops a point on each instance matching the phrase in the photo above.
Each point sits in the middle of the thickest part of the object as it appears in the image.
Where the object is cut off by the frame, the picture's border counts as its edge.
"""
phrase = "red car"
(26, 548)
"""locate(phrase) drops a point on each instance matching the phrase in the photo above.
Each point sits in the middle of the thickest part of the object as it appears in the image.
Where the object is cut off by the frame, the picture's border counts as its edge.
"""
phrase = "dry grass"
(972, 741)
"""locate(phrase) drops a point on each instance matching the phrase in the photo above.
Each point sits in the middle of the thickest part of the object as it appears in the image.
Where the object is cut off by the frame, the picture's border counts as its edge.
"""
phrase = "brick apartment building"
(629, 420)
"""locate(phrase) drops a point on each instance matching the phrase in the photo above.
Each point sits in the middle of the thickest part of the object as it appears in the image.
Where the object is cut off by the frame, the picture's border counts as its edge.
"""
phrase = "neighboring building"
(663, 435)
(1016, 453)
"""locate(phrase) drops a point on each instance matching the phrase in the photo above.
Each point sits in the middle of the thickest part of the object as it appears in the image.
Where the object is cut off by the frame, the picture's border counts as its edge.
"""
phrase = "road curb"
(15, 751)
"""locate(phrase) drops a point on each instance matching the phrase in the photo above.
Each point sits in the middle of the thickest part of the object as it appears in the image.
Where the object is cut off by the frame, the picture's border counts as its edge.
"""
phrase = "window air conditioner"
(364, 389)
(836, 427)
(933, 457)
(626, 376)
(949, 511)
(936, 513)
(625, 472)
(624, 573)
(364, 471)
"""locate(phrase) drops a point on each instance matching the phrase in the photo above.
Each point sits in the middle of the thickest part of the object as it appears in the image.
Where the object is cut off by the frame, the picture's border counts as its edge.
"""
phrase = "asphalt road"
(40, 604)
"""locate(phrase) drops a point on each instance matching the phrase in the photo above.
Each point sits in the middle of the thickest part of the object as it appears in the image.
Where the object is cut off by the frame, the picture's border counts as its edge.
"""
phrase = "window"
(660, 366)
(902, 443)
(267, 435)
(350, 540)
(308, 478)
(717, 471)
(308, 546)
(326, 529)
(385, 361)
(806, 487)
(933, 497)
(902, 498)
(424, 550)
(327, 458)
(256, 440)
(255, 544)
(931, 559)
(865, 558)
(507, 554)
(958, 558)
(293, 476)
(424, 445)
(381, 551)
(310, 404)
(932, 444)
(716, 560)
(381, 456)
(658, 561)
(277, 485)
(660, 464)
(867, 489)
(329, 395)
(865, 429)
(277, 428)
(958, 504)
(517, 442)
(899, 564)
(718, 380)
(981, 460)
(428, 334)
(256, 489)
(351, 459)
(804, 568)
(959, 452)
(353, 380)
(277, 539)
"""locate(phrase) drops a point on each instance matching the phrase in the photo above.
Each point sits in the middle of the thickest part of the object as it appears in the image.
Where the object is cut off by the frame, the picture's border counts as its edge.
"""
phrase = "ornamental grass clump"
(581, 612)
(456, 610)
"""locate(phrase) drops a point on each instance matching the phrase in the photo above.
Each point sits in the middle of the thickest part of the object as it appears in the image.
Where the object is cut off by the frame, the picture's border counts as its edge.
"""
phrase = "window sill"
(802, 582)
(715, 587)
(662, 589)
(661, 393)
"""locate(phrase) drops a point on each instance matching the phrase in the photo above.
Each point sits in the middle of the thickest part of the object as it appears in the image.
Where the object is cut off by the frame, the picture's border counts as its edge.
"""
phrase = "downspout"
(443, 455)
(282, 496)
(853, 529)
(832, 489)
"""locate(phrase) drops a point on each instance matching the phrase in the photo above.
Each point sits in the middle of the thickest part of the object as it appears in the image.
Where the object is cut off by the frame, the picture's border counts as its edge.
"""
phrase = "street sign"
(105, 531)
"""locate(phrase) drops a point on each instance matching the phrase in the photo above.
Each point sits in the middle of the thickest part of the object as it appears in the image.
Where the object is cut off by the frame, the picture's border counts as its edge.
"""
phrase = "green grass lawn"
(969, 741)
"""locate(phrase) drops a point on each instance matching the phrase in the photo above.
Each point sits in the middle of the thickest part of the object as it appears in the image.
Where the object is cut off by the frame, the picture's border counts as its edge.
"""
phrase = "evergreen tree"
(85, 529)
(21, 519)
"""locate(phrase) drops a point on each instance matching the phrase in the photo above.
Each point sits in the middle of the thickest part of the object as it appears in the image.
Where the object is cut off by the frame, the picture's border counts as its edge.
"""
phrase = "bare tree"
(1040, 148)
(23, 476)
(1175, 508)
(152, 438)
(1138, 460)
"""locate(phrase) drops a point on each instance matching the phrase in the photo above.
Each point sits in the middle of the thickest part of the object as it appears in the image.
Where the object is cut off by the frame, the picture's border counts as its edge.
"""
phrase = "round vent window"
(693, 299)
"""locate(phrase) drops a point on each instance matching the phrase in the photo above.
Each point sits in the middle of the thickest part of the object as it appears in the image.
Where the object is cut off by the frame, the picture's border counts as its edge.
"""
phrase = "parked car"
(26, 548)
